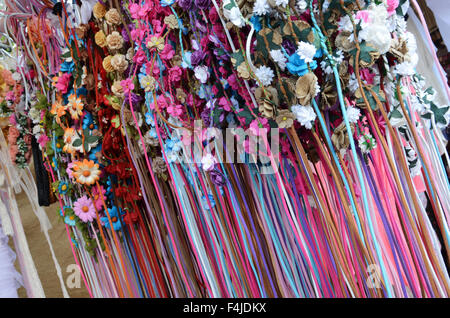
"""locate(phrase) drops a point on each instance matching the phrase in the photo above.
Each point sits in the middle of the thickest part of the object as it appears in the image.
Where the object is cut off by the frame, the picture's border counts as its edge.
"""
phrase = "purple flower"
(289, 46)
(197, 57)
(217, 178)
(135, 99)
(202, 4)
(185, 4)
(206, 116)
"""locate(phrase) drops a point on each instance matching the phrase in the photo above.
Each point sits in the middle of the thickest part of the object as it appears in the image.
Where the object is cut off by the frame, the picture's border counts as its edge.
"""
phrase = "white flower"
(353, 114)
(261, 7)
(326, 67)
(306, 51)
(405, 69)
(366, 143)
(279, 58)
(345, 24)
(302, 5)
(353, 83)
(282, 3)
(264, 74)
(201, 73)
(235, 16)
(379, 36)
(305, 115)
(16, 76)
(208, 161)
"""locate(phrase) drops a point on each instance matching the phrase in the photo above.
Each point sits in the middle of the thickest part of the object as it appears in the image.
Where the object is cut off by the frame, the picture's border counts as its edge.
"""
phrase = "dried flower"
(305, 88)
(113, 17)
(99, 10)
(119, 63)
(285, 118)
(100, 38)
(114, 41)
(107, 64)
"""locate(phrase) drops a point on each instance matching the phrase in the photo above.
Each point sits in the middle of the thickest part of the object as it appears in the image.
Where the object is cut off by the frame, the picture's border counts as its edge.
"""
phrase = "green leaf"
(77, 143)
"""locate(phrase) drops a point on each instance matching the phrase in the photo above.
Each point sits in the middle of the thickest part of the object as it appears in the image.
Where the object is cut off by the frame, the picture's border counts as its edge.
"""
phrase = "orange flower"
(75, 106)
(86, 172)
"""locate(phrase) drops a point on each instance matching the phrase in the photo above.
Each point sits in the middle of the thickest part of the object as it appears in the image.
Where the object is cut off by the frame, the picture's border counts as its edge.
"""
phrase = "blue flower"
(114, 215)
(70, 220)
(256, 23)
(298, 66)
(67, 67)
(63, 187)
(149, 119)
(88, 121)
(167, 3)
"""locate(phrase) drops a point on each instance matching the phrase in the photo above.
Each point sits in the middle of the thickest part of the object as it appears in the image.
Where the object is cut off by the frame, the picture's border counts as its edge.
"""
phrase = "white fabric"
(426, 65)
(10, 279)
(441, 11)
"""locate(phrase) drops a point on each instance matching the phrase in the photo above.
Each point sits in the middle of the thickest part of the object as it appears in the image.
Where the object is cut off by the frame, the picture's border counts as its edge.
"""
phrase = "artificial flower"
(114, 41)
(305, 115)
(119, 63)
(265, 75)
(75, 106)
(84, 209)
(306, 51)
(113, 17)
(86, 172)
(208, 161)
(285, 118)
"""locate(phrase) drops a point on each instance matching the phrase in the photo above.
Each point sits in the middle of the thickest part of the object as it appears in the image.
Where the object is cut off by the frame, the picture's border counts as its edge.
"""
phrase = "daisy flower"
(70, 220)
(279, 58)
(75, 106)
(305, 115)
(353, 114)
(70, 135)
(306, 51)
(84, 209)
(261, 7)
(264, 74)
(86, 172)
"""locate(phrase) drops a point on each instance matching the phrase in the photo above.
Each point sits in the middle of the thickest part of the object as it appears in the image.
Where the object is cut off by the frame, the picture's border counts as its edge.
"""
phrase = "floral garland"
(129, 103)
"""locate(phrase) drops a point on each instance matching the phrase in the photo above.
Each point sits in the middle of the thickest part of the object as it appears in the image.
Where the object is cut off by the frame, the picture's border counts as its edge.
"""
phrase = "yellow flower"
(86, 172)
(75, 106)
(100, 38)
(107, 64)
(99, 10)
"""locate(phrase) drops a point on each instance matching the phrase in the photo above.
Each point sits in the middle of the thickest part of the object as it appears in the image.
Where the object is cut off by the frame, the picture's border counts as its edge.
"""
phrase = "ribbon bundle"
(236, 148)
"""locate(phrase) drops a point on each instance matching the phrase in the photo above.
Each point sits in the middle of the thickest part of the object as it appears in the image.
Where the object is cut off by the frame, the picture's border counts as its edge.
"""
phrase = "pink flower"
(127, 85)
(12, 119)
(175, 74)
(43, 140)
(146, 8)
(232, 80)
(175, 110)
(69, 170)
(63, 82)
(392, 5)
(367, 75)
(10, 96)
(139, 58)
(167, 53)
(13, 133)
(97, 198)
(84, 209)
(162, 102)
(364, 15)
(225, 104)
(259, 126)
(13, 150)
(134, 10)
